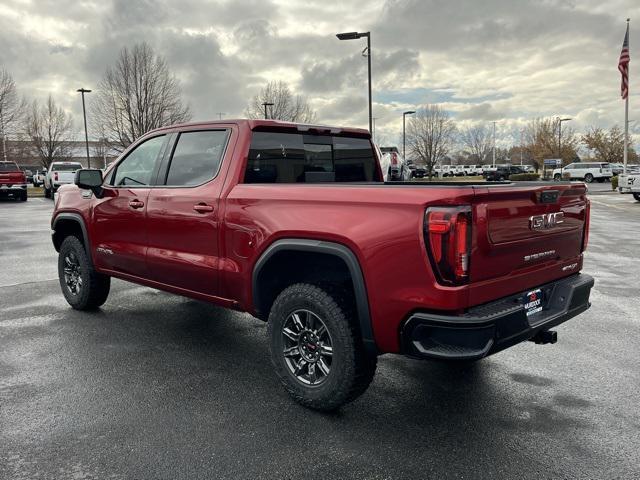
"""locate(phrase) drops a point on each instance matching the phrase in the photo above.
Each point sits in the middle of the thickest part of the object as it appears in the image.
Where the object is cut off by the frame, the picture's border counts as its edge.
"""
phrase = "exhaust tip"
(545, 337)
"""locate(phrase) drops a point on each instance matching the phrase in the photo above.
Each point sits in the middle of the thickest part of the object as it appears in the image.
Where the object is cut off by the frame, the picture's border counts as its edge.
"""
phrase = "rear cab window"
(65, 167)
(276, 157)
(9, 167)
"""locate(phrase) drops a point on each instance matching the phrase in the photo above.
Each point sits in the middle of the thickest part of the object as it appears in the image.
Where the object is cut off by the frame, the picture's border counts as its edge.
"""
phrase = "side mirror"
(89, 179)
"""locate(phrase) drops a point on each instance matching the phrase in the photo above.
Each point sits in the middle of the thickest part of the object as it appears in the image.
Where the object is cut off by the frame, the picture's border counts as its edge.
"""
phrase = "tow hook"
(545, 337)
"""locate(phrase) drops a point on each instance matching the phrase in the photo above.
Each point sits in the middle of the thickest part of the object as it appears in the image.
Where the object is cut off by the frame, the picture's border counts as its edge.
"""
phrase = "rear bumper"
(492, 327)
(16, 187)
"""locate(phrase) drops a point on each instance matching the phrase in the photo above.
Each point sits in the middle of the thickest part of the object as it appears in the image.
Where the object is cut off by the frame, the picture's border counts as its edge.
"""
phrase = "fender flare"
(327, 248)
(75, 217)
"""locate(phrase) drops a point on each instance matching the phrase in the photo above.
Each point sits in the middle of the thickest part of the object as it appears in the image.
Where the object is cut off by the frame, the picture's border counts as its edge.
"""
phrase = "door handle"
(203, 208)
(136, 204)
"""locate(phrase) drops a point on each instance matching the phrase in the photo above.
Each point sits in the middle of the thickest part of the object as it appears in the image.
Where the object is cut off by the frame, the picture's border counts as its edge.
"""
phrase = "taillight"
(394, 159)
(55, 176)
(447, 232)
(587, 221)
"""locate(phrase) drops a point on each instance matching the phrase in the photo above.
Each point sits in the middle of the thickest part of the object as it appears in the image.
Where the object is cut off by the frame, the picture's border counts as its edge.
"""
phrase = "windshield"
(8, 167)
(65, 167)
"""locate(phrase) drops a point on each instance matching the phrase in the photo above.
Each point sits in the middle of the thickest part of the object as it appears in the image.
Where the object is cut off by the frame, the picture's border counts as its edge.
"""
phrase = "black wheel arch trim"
(75, 217)
(328, 248)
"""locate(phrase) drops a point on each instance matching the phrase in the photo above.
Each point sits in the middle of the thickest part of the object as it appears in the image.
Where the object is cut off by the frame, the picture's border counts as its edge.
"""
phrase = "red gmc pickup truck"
(12, 181)
(293, 224)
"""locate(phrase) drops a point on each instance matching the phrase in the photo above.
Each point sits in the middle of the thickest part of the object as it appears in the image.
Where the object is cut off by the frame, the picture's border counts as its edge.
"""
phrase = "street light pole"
(265, 105)
(84, 114)
(494, 143)
(404, 142)
(355, 36)
(560, 120)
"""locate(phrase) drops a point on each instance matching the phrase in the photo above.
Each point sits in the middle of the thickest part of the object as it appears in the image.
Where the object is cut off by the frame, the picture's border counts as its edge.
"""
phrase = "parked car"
(502, 172)
(28, 174)
(616, 168)
(450, 170)
(393, 165)
(38, 177)
(13, 182)
(294, 224)
(630, 183)
(587, 171)
(472, 170)
(420, 171)
(60, 173)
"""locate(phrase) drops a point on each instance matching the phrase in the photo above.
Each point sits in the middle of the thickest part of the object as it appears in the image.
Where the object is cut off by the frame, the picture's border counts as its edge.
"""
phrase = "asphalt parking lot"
(158, 386)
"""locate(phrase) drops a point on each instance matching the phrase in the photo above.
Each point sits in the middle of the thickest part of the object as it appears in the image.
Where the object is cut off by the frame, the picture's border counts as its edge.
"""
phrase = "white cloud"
(491, 60)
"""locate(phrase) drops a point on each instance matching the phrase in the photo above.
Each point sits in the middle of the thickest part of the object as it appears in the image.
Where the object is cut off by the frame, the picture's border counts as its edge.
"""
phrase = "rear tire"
(316, 348)
(47, 193)
(82, 286)
(557, 177)
(588, 178)
(637, 197)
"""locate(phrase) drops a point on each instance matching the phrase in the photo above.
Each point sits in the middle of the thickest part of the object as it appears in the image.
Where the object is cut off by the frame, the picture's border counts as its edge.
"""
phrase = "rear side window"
(299, 158)
(197, 157)
(8, 167)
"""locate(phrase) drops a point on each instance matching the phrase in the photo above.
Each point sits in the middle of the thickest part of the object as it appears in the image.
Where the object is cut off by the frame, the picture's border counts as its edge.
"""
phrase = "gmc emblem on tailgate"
(545, 221)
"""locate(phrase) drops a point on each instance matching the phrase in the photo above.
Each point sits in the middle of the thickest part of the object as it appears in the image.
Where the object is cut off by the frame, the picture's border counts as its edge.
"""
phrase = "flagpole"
(626, 120)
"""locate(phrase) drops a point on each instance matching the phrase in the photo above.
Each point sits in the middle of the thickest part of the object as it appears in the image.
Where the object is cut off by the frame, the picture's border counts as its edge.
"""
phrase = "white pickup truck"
(630, 183)
(60, 173)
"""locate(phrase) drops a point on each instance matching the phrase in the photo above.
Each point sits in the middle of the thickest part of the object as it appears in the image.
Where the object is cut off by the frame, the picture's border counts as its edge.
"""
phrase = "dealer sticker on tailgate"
(533, 302)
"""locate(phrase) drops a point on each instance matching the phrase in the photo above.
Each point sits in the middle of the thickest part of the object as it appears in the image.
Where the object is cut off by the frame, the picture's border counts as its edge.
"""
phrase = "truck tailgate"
(529, 234)
(11, 178)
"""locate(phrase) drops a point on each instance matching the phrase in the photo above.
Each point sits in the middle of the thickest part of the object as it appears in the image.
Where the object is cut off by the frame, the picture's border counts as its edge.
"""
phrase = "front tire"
(23, 196)
(82, 286)
(557, 177)
(637, 197)
(588, 178)
(316, 348)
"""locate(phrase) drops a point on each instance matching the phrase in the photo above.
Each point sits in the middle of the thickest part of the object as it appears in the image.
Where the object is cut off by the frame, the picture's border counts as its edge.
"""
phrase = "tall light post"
(355, 36)
(404, 141)
(84, 114)
(521, 144)
(560, 120)
(265, 105)
(494, 143)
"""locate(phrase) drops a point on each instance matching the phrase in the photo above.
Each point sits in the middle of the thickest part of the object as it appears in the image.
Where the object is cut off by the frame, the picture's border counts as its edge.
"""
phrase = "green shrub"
(614, 183)
(524, 177)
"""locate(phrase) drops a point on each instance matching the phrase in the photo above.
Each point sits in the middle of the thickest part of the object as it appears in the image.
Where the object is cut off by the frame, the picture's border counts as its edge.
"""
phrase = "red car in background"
(13, 182)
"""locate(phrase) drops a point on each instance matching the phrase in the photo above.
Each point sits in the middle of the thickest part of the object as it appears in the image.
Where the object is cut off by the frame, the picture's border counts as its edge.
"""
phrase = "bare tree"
(430, 135)
(49, 128)
(542, 141)
(608, 145)
(477, 141)
(286, 105)
(12, 108)
(136, 95)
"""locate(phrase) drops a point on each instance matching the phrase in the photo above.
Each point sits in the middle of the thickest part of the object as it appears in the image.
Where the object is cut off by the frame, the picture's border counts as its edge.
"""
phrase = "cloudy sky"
(482, 60)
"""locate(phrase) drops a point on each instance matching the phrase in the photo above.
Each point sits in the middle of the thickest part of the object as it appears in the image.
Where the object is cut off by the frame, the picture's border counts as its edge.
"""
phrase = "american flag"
(623, 66)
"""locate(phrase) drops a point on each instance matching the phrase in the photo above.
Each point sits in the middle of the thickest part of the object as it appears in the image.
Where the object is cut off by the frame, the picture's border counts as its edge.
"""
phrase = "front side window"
(298, 158)
(197, 157)
(138, 167)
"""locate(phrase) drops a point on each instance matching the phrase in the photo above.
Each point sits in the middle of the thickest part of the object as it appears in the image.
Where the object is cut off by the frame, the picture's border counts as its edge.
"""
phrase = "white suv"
(587, 171)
